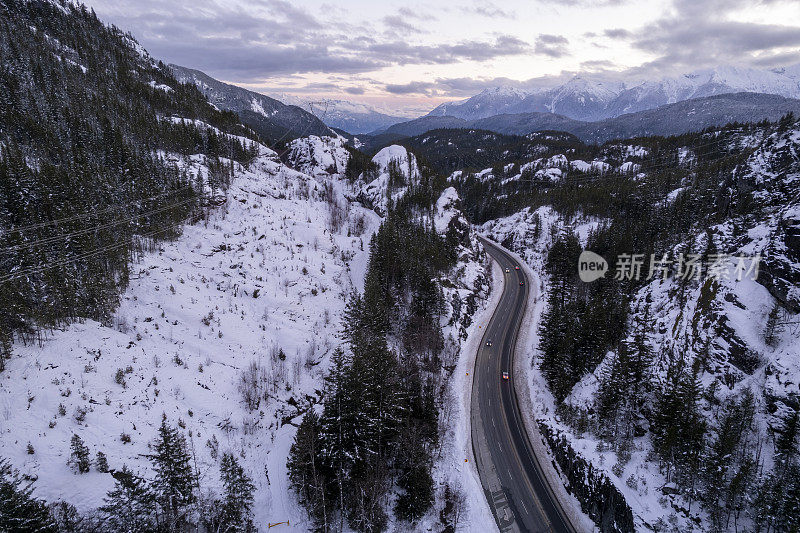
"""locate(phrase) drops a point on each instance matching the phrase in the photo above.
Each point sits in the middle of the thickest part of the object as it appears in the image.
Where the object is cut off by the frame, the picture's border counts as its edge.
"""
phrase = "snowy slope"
(318, 156)
(260, 283)
(378, 192)
(263, 273)
(553, 169)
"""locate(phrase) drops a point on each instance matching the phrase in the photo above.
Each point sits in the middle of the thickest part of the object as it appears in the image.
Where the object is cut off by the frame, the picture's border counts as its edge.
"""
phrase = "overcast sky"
(418, 54)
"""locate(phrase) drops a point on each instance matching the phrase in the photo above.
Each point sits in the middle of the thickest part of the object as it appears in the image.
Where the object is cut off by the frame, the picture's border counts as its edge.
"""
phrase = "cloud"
(403, 53)
(585, 3)
(617, 33)
(274, 38)
(419, 15)
(466, 86)
(551, 45)
(469, 86)
(284, 43)
(697, 34)
(414, 87)
(488, 10)
(397, 22)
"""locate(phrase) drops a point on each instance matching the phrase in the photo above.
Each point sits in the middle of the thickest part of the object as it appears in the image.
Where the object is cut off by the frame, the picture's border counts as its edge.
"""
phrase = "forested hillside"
(682, 385)
(83, 187)
(372, 449)
(275, 122)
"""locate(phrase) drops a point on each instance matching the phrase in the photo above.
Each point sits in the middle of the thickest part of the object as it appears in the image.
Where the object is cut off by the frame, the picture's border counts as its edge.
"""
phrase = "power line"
(55, 238)
(36, 270)
(89, 214)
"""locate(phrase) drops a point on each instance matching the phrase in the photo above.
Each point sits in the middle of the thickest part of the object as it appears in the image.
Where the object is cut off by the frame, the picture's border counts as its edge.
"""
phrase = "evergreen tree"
(238, 492)
(130, 506)
(338, 427)
(728, 464)
(786, 445)
(79, 455)
(677, 423)
(19, 510)
(307, 469)
(624, 385)
(771, 330)
(174, 483)
(416, 497)
(69, 520)
(101, 462)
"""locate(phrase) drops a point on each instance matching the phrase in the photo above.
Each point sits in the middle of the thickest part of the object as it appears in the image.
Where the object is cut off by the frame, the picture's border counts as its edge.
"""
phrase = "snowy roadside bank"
(479, 516)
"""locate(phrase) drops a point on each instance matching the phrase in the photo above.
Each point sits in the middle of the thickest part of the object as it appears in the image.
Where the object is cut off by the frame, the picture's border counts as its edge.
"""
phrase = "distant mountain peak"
(587, 98)
(352, 117)
(504, 90)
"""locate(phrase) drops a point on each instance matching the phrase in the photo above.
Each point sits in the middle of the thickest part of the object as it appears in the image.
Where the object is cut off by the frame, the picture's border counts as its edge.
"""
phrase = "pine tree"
(130, 506)
(174, 483)
(238, 496)
(677, 423)
(69, 520)
(786, 445)
(338, 425)
(79, 455)
(622, 390)
(728, 464)
(19, 510)
(101, 462)
(771, 329)
(307, 469)
(417, 495)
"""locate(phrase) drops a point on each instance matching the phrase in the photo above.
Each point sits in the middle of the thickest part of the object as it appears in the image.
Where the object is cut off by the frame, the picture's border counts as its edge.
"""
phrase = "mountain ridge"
(590, 99)
(671, 119)
(271, 119)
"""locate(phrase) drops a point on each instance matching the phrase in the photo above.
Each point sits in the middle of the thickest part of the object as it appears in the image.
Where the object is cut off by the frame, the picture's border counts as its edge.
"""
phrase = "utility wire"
(36, 270)
(90, 213)
(56, 238)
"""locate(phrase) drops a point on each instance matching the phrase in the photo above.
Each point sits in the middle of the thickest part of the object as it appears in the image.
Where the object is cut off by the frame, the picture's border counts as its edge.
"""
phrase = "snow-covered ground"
(264, 277)
(377, 193)
(529, 233)
(261, 281)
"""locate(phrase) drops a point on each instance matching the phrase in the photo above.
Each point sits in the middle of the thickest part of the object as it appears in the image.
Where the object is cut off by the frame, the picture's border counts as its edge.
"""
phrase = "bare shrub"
(252, 385)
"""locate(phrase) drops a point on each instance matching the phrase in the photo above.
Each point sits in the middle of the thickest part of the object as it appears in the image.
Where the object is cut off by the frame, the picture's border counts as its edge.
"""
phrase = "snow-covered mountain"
(397, 169)
(491, 101)
(670, 119)
(273, 120)
(587, 99)
(352, 117)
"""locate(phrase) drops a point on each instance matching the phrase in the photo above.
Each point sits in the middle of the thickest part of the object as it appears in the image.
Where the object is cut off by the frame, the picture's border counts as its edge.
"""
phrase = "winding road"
(511, 474)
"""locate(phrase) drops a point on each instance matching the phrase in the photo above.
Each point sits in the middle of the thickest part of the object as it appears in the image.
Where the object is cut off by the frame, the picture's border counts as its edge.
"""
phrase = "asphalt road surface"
(511, 475)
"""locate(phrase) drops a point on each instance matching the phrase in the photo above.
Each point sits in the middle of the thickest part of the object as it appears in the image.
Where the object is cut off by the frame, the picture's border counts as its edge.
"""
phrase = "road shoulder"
(479, 515)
